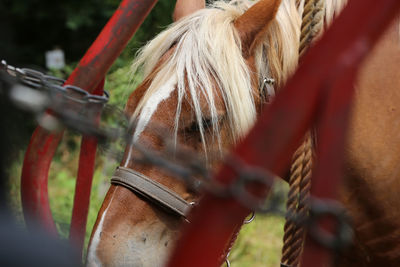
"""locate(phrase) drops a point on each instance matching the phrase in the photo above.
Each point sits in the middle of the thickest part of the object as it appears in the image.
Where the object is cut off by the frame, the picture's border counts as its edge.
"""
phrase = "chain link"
(56, 105)
(54, 85)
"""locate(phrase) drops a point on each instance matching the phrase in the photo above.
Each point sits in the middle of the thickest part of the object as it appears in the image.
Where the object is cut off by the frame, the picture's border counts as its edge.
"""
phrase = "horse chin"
(126, 241)
(148, 248)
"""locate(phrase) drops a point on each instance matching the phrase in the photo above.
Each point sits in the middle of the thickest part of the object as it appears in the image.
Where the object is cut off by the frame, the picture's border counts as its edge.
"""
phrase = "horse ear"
(254, 22)
(184, 8)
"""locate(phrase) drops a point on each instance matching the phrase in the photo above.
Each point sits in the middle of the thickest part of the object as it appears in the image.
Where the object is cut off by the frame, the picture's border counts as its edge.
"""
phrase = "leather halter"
(151, 190)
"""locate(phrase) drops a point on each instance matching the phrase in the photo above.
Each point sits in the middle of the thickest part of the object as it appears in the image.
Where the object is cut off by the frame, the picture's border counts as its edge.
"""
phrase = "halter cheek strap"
(151, 190)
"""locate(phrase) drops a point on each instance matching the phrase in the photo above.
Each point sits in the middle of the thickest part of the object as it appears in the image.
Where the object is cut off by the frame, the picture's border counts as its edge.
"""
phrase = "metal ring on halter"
(228, 263)
(253, 215)
(191, 204)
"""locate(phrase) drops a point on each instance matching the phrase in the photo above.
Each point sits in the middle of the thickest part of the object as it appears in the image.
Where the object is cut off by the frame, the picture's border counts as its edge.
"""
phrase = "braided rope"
(300, 172)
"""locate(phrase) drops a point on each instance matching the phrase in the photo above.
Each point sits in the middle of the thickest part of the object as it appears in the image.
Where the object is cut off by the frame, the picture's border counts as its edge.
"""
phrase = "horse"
(204, 84)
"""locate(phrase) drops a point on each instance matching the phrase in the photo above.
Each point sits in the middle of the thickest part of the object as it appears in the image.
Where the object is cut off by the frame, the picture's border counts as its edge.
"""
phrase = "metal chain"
(37, 79)
(69, 106)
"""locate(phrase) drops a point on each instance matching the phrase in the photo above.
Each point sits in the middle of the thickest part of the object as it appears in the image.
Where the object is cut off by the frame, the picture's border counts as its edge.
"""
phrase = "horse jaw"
(120, 239)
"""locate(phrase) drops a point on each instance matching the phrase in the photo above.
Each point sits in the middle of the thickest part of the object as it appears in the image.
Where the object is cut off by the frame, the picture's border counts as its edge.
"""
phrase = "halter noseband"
(151, 190)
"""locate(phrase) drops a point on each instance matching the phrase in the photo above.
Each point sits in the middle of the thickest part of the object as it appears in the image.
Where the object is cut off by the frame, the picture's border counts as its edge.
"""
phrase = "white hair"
(207, 56)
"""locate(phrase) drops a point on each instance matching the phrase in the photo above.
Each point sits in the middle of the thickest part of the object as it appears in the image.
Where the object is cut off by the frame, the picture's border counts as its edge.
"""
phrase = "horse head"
(203, 85)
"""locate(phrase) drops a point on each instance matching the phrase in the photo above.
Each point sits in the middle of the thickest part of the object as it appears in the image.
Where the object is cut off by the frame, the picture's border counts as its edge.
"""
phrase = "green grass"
(258, 244)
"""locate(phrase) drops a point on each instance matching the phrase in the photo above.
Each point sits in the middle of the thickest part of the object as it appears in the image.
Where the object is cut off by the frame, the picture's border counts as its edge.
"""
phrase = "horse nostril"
(166, 244)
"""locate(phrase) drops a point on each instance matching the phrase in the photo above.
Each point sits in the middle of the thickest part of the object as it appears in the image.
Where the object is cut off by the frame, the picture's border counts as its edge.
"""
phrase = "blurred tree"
(28, 28)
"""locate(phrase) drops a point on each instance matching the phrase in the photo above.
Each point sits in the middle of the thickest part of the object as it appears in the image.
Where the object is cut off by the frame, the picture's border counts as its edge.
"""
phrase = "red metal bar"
(331, 133)
(90, 71)
(331, 140)
(83, 185)
(34, 196)
(278, 131)
(110, 43)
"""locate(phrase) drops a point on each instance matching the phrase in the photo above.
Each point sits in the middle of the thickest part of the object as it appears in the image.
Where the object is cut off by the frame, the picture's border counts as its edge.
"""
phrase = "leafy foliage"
(31, 27)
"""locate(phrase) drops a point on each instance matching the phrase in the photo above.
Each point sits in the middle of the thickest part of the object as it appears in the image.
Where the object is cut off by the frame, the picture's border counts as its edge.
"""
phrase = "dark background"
(29, 28)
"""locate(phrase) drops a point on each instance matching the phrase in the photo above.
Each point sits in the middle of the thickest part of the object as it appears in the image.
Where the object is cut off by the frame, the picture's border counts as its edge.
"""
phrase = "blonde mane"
(207, 57)
(332, 9)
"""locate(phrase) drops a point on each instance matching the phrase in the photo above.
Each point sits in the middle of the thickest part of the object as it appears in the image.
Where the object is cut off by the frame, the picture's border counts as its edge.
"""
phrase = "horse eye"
(194, 127)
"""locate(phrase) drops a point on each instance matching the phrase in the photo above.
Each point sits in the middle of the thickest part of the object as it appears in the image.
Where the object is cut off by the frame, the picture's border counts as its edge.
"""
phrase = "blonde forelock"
(207, 57)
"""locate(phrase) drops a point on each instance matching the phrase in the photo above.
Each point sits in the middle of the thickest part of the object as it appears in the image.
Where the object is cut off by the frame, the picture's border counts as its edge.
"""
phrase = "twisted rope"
(298, 196)
(312, 24)
(300, 172)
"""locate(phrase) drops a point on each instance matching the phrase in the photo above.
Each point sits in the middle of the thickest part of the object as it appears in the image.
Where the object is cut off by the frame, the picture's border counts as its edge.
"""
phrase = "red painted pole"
(83, 185)
(377, 16)
(278, 131)
(89, 72)
(110, 43)
(331, 140)
(34, 195)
